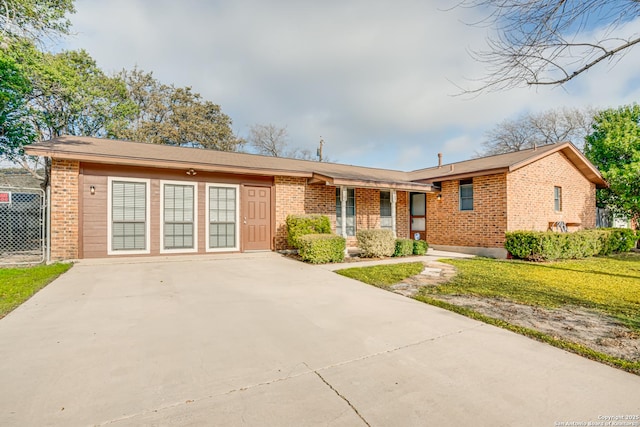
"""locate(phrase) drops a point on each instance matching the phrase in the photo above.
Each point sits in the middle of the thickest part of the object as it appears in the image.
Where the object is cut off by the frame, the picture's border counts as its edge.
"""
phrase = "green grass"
(610, 285)
(607, 284)
(383, 276)
(18, 284)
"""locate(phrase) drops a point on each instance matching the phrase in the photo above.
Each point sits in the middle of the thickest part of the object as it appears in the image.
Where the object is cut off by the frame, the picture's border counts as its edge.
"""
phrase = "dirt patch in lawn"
(590, 328)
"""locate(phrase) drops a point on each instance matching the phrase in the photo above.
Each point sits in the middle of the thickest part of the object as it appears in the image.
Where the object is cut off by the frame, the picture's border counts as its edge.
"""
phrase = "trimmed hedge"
(376, 243)
(300, 225)
(550, 246)
(322, 248)
(404, 247)
(420, 247)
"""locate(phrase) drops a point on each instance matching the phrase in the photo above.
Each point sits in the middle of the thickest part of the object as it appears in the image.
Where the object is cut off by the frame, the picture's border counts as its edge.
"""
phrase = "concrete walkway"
(431, 255)
(262, 340)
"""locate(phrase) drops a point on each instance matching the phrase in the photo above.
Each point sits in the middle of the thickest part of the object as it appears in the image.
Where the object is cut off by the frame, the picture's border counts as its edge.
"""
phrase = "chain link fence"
(22, 225)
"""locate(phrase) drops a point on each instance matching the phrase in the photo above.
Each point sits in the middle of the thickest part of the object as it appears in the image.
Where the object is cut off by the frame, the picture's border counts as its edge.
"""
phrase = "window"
(557, 198)
(418, 212)
(222, 205)
(386, 220)
(466, 195)
(351, 212)
(178, 201)
(128, 216)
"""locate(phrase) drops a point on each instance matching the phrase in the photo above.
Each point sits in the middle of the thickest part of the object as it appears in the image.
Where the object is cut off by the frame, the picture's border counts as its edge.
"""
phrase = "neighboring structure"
(111, 198)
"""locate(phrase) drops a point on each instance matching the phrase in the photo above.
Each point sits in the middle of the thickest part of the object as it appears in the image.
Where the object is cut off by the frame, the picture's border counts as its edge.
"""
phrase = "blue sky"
(375, 79)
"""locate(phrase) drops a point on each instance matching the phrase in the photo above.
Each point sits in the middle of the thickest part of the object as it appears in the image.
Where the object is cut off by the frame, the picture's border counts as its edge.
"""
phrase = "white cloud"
(373, 79)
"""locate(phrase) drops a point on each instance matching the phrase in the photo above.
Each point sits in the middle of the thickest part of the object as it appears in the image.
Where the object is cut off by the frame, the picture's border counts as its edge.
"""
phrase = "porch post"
(343, 210)
(393, 213)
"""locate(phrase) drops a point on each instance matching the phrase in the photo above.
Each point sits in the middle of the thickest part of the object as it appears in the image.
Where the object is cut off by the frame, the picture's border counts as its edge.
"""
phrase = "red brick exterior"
(518, 200)
(402, 214)
(531, 195)
(64, 209)
(484, 226)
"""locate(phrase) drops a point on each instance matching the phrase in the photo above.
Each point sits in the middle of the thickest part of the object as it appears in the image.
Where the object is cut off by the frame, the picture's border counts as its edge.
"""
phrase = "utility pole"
(319, 152)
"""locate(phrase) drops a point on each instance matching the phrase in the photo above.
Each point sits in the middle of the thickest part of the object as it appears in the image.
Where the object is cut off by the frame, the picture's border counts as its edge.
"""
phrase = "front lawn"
(590, 306)
(608, 284)
(18, 284)
(383, 276)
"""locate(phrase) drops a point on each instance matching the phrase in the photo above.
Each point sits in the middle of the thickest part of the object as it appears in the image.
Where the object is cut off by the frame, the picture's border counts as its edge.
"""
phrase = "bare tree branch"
(550, 42)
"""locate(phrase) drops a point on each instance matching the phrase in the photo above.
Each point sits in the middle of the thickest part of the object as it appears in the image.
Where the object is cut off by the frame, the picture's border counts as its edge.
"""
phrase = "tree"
(532, 129)
(551, 42)
(33, 19)
(269, 139)
(15, 130)
(272, 140)
(614, 147)
(164, 114)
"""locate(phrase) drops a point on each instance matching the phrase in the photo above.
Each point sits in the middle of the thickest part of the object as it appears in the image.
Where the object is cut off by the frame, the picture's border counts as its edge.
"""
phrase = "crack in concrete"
(288, 377)
(343, 398)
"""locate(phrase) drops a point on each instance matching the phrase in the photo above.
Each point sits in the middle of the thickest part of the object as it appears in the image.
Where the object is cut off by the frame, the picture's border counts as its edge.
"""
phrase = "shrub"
(420, 247)
(300, 225)
(404, 247)
(549, 246)
(376, 243)
(322, 248)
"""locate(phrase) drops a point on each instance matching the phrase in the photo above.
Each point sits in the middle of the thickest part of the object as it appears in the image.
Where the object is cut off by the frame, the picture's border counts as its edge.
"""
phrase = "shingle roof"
(507, 163)
(152, 155)
(18, 178)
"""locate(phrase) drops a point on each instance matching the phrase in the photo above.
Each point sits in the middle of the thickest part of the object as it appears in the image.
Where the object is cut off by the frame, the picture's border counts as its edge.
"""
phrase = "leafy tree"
(164, 114)
(531, 129)
(550, 42)
(15, 131)
(614, 147)
(72, 96)
(33, 19)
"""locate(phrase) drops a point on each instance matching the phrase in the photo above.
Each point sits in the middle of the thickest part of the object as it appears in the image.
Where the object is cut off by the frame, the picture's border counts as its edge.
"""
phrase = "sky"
(377, 81)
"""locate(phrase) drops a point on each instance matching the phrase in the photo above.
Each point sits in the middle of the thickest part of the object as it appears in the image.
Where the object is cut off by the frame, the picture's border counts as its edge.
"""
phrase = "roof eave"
(161, 163)
(374, 184)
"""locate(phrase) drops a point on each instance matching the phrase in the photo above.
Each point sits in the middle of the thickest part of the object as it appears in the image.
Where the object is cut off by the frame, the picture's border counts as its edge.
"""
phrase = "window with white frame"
(222, 205)
(386, 219)
(557, 199)
(178, 216)
(466, 195)
(128, 215)
(351, 212)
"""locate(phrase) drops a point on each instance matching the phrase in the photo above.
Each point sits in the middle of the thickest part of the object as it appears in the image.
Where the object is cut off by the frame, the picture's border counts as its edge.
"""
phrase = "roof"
(109, 151)
(19, 178)
(509, 162)
(112, 151)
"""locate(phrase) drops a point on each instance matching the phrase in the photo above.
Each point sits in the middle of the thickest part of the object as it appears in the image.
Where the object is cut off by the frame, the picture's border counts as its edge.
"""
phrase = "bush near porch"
(301, 225)
(376, 243)
(551, 246)
(322, 248)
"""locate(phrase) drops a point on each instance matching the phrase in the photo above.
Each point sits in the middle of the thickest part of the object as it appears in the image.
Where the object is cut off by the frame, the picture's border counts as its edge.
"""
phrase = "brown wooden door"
(256, 218)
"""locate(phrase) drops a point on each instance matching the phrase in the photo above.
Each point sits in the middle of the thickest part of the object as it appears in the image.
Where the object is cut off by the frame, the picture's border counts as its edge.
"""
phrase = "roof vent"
(439, 160)
(451, 167)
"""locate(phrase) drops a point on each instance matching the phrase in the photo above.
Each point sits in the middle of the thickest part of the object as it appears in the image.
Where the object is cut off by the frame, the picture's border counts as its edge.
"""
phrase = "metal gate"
(22, 225)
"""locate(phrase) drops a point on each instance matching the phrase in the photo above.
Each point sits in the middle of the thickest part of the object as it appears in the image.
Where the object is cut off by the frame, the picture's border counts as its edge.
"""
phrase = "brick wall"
(64, 209)
(483, 226)
(531, 195)
(295, 196)
(402, 214)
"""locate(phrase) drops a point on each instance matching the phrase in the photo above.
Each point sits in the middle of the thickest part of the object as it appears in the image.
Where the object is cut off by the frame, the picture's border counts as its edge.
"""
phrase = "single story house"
(114, 198)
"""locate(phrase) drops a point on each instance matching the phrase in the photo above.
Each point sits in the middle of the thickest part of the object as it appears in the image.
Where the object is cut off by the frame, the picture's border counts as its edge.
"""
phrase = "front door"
(256, 218)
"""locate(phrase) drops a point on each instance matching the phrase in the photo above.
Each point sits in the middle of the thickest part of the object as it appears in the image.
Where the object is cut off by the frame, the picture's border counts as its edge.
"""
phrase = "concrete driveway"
(261, 340)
